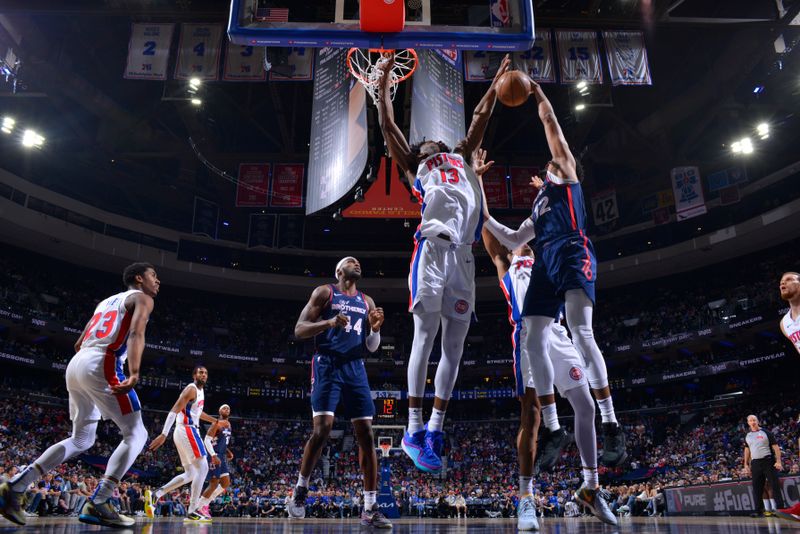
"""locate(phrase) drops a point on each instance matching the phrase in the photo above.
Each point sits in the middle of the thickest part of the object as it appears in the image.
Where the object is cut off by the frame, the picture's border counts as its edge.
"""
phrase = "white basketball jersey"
(450, 199)
(791, 329)
(190, 416)
(109, 326)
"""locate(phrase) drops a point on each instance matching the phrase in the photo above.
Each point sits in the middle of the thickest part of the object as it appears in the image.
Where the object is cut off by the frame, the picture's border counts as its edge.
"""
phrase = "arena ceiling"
(124, 144)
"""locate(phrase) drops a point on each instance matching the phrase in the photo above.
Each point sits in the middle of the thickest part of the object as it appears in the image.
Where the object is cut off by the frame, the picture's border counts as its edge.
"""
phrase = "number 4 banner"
(148, 51)
(199, 51)
(604, 207)
(578, 56)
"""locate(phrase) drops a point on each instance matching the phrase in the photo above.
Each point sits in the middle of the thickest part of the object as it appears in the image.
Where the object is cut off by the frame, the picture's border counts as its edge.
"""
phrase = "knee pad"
(84, 440)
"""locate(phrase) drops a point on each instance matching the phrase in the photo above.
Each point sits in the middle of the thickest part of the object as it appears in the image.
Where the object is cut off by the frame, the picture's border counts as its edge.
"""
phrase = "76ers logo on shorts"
(461, 306)
(575, 373)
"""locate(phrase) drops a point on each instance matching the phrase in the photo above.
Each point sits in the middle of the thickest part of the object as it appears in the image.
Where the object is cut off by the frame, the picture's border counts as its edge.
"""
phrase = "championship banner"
(206, 218)
(688, 191)
(604, 207)
(300, 66)
(578, 56)
(495, 185)
(199, 52)
(538, 61)
(627, 58)
(148, 51)
(522, 192)
(244, 64)
(290, 231)
(261, 232)
(252, 185)
(287, 185)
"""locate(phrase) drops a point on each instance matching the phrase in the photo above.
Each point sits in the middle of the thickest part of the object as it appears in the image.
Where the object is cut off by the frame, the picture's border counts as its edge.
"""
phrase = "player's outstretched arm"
(482, 114)
(396, 142)
(208, 418)
(375, 317)
(142, 307)
(559, 148)
(497, 252)
(308, 324)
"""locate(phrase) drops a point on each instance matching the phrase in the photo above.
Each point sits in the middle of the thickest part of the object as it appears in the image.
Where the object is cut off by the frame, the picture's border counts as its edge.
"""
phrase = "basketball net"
(364, 66)
(385, 448)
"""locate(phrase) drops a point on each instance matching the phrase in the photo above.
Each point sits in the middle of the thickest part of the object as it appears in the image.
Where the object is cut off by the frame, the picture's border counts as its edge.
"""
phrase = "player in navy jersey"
(217, 442)
(564, 273)
(342, 320)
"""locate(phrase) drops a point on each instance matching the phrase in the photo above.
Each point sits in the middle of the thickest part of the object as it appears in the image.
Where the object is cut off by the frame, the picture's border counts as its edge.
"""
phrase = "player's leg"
(209, 494)
(526, 452)
(134, 437)
(199, 478)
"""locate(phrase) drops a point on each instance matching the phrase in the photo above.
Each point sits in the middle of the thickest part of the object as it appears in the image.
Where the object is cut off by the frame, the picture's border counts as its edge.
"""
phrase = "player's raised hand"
(124, 387)
(502, 69)
(479, 163)
(536, 182)
(157, 442)
(385, 63)
(339, 321)
(376, 319)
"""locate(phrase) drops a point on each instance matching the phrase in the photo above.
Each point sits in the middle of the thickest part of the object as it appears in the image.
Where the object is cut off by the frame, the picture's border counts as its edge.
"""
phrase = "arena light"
(8, 125)
(763, 130)
(747, 146)
(32, 139)
(736, 147)
(195, 83)
(580, 107)
(581, 85)
(196, 101)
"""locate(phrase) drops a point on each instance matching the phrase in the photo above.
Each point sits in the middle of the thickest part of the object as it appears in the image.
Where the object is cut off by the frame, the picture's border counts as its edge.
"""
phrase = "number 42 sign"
(604, 207)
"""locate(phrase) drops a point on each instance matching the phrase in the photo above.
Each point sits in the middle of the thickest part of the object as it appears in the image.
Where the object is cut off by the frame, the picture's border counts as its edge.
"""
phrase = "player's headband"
(340, 264)
(223, 407)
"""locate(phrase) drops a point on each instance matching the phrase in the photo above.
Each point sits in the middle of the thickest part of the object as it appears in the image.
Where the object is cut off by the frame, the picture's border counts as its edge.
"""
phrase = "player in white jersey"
(187, 412)
(99, 389)
(514, 272)
(442, 275)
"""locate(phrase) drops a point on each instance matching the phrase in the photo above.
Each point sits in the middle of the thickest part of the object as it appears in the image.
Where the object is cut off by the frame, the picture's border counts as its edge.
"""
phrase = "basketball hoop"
(385, 449)
(364, 66)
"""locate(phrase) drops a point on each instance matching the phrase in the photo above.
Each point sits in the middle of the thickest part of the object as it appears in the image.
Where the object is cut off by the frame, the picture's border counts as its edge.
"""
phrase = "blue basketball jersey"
(346, 341)
(221, 441)
(559, 212)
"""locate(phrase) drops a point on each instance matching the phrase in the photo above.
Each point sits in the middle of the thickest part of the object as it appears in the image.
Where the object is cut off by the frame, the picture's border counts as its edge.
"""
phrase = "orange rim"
(361, 77)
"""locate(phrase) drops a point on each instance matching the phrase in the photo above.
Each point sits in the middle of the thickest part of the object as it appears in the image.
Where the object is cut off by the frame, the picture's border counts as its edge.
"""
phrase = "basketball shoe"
(551, 446)
(416, 447)
(149, 504)
(105, 515)
(592, 499)
(375, 519)
(434, 439)
(12, 504)
(297, 508)
(614, 453)
(792, 513)
(526, 514)
(195, 517)
(206, 511)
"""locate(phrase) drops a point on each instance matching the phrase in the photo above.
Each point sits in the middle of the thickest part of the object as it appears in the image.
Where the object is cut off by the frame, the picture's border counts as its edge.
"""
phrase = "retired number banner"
(688, 191)
(578, 56)
(244, 64)
(148, 51)
(627, 58)
(301, 66)
(199, 52)
(604, 207)
(252, 186)
(522, 192)
(538, 61)
(287, 185)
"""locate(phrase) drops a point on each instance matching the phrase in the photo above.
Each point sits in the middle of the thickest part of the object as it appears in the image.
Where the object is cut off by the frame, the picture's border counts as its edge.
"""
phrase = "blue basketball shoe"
(416, 447)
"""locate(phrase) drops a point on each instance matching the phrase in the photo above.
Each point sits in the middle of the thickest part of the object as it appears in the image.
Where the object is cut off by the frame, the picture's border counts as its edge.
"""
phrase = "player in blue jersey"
(564, 273)
(342, 320)
(217, 442)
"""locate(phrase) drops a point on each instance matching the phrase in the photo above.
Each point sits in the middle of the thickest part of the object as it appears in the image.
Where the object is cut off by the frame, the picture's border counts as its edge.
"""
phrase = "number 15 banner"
(199, 51)
(579, 57)
(148, 51)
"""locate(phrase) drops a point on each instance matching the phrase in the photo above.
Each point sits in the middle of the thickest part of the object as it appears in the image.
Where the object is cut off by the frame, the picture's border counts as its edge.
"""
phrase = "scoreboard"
(386, 410)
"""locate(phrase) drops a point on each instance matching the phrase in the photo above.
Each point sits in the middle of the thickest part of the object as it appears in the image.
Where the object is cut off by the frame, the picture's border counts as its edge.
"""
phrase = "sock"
(590, 479)
(301, 481)
(766, 504)
(550, 417)
(202, 502)
(104, 490)
(217, 492)
(415, 423)
(369, 499)
(772, 505)
(25, 478)
(158, 494)
(525, 486)
(437, 420)
(607, 410)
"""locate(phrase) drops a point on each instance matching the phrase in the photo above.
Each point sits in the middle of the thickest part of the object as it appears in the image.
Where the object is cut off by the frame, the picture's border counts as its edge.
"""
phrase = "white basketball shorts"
(442, 279)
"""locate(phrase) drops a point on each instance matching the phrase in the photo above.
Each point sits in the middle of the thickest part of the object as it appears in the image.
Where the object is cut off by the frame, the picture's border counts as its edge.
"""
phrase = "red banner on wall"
(387, 198)
(522, 193)
(287, 185)
(496, 187)
(253, 184)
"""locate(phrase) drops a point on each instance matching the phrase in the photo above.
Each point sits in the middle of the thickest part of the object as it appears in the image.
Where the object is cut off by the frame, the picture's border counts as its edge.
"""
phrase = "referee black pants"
(763, 470)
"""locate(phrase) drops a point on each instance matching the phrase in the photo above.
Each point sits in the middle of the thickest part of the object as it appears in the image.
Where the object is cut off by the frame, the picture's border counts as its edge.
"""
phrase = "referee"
(762, 457)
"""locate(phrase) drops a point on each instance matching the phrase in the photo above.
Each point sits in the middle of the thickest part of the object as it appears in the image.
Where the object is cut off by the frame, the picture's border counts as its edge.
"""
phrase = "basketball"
(513, 88)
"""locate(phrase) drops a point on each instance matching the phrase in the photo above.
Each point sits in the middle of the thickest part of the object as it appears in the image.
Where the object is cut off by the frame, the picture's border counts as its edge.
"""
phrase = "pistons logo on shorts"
(462, 306)
(575, 373)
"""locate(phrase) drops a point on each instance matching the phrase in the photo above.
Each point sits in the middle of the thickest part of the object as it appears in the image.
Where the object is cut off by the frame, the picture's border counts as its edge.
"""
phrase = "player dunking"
(218, 439)
(187, 412)
(442, 276)
(99, 389)
(343, 321)
(564, 273)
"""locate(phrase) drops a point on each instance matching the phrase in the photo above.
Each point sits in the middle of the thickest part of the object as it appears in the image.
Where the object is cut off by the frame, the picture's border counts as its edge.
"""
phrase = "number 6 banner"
(604, 207)
(578, 56)
(198, 52)
(148, 51)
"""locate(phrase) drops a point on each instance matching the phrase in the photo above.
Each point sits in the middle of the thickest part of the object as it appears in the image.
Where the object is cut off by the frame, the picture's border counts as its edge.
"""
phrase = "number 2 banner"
(199, 52)
(244, 64)
(579, 58)
(148, 51)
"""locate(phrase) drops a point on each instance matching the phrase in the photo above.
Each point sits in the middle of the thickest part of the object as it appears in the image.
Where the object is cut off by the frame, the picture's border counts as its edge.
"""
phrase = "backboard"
(498, 25)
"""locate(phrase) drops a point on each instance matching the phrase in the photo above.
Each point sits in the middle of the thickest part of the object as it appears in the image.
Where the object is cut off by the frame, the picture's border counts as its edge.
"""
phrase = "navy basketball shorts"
(221, 470)
(343, 384)
(560, 266)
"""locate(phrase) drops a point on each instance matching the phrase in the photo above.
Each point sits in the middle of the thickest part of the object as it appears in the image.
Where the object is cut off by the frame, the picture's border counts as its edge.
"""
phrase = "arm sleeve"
(373, 341)
(509, 238)
(209, 446)
(168, 423)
